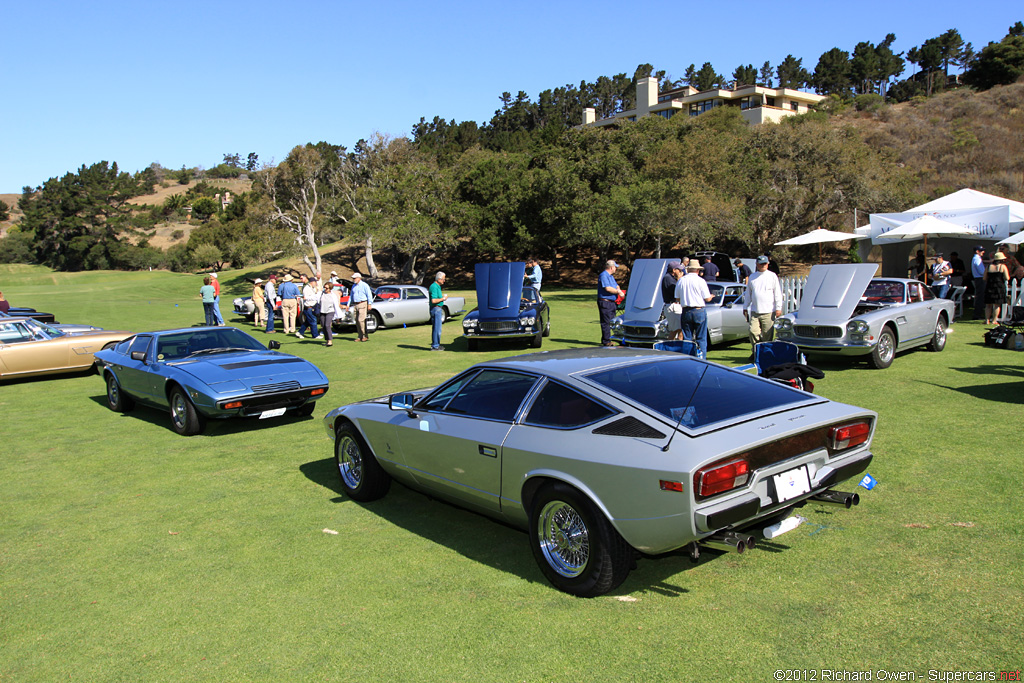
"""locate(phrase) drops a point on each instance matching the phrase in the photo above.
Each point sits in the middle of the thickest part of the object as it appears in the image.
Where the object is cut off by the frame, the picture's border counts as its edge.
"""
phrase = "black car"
(497, 316)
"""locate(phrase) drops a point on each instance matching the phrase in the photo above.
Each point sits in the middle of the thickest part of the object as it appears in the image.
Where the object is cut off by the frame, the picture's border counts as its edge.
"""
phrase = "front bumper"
(252, 405)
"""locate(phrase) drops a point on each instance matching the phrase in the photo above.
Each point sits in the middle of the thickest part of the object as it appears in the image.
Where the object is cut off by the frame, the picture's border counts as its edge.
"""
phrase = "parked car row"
(601, 455)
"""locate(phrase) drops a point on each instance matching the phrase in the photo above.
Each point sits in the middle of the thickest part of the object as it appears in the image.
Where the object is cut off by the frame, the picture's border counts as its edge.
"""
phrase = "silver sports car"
(843, 311)
(601, 454)
(400, 305)
(643, 322)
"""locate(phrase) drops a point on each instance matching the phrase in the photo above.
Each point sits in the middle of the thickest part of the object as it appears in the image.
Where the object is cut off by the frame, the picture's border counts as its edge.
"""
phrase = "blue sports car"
(497, 315)
(208, 372)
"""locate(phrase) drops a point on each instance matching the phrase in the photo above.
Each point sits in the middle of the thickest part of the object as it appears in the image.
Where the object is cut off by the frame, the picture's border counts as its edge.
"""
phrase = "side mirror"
(402, 402)
(273, 344)
(139, 356)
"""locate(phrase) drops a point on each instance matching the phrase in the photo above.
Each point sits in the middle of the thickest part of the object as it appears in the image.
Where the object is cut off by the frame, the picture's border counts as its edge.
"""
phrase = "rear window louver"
(629, 426)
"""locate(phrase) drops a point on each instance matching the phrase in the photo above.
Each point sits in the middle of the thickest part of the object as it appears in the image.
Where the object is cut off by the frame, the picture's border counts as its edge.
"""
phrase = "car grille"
(640, 331)
(279, 386)
(499, 325)
(818, 332)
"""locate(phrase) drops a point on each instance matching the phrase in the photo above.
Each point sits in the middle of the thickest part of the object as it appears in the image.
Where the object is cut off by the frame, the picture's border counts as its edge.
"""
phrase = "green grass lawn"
(128, 553)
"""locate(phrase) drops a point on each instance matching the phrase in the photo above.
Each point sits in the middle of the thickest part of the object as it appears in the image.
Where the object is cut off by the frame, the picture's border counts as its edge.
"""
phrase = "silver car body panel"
(832, 292)
(494, 466)
(410, 306)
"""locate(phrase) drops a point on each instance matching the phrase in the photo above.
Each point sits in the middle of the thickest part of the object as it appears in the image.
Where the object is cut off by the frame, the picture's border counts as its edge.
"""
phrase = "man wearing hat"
(290, 296)
(359, 299)
(607, 293)
(742, 271)
(692, 293)
(941, 270)
(978, 278)
(270, 290)
(334, 277)
(673, 312)
(258, 302)
(762, 303)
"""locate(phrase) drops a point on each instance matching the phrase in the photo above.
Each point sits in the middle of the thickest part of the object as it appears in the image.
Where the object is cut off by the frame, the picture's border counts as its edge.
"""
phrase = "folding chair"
(783, 362)
(956, 295)
(684, 346)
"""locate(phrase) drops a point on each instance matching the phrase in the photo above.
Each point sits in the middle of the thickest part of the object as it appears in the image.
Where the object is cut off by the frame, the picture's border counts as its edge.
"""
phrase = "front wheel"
(361, 475)
(938, 341)
(305, 409)
(117, 400)
(574, 545)
(537, 340)
(884, 351)
(185, 419)
(373, 322)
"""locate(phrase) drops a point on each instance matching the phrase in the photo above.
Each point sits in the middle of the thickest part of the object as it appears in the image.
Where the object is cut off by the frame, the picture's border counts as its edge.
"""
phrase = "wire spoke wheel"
(564, 538)
(350, 461)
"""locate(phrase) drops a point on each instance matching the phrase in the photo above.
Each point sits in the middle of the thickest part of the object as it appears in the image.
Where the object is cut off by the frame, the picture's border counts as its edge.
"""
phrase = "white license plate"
(792, 483)
(276, 412)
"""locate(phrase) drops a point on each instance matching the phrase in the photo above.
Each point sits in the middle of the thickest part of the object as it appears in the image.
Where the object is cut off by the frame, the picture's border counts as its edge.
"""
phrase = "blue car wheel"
(185, 419)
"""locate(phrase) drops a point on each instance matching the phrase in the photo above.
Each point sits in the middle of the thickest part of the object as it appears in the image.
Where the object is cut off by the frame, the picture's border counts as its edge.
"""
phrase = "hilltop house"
(757, 103)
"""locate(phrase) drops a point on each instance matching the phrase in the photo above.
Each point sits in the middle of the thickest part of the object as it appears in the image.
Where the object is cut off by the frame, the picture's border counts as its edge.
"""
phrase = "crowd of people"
(984, 282)
(314, 304)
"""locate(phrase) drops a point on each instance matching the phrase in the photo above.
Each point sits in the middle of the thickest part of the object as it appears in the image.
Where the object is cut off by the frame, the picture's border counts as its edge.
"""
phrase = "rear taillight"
(841, 437)
(720, 476)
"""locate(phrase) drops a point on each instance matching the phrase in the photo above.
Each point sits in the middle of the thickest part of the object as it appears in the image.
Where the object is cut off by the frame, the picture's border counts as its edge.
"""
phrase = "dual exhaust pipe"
(736, 542)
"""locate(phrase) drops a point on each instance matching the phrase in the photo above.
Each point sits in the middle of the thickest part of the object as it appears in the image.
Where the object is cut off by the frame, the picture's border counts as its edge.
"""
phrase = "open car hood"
(499, 287)
(832, 292)
(643, 294)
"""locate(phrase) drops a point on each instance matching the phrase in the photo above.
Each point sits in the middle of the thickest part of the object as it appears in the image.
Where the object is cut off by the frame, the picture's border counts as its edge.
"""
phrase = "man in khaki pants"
(290, 296)
(762, 302)
(359, 300)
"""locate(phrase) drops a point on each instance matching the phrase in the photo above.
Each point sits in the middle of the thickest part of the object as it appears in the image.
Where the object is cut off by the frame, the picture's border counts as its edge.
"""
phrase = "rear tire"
(117, 400)
(575, 546)
(373, 322)
(938, 341)
(362, 477)
(305, 409)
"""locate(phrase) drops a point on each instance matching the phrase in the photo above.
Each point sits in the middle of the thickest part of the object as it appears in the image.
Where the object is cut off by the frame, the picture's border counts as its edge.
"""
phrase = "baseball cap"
(762, 260)
(356, 276)
(675, 264)
(979, 248)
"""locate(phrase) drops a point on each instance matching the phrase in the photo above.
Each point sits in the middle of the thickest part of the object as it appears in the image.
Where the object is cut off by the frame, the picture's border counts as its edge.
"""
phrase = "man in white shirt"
(762, 302)
(310, 299)
(941, 271)
(692, 293)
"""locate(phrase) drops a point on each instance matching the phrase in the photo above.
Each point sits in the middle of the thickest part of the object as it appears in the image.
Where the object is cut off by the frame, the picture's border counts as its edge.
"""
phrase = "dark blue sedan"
(208, 373)
(498, 315)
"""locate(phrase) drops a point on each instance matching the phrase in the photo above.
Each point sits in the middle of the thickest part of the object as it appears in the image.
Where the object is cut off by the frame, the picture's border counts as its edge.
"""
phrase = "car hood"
(643, 294)
(252, 368)
(498, 289)
(832, 292)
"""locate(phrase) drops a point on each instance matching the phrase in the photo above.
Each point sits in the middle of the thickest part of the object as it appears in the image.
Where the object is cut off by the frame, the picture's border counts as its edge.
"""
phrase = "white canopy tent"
(819, 236)
(991, 219)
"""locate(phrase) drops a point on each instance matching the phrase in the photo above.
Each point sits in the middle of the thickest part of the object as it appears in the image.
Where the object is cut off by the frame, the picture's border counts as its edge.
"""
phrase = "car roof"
(564, 363)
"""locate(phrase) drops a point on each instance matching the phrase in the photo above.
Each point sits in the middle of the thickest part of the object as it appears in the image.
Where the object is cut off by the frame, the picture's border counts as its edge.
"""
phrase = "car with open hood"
(201, 373)
(506, 308)
(643, 322)
(29, 347)
(606, 455)
(846, 311)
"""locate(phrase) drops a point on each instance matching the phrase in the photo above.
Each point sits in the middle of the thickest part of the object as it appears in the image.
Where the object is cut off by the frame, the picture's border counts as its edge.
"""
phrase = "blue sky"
(183, 82)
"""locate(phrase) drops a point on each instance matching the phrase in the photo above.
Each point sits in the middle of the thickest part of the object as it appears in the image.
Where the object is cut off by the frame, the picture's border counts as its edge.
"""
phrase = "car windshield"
(181, 345)
(694, 393)
(884, 292)
(42, 330)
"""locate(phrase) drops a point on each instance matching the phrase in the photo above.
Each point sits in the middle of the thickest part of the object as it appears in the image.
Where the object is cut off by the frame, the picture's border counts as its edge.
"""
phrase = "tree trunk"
(371, 268)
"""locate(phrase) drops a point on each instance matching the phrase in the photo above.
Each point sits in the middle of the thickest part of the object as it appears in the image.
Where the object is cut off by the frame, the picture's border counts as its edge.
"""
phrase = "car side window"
(11, 333)
(140, 343)
(927, 294)
(492, 395)
(414, 294)
(439, 399)
(914, 292)
(559, 406)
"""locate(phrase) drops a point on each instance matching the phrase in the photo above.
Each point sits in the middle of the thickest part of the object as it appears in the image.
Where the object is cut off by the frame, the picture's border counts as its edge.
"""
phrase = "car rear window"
(694, 393)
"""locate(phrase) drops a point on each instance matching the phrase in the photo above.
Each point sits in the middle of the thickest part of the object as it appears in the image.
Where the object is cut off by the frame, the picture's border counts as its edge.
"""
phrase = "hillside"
(954, 140)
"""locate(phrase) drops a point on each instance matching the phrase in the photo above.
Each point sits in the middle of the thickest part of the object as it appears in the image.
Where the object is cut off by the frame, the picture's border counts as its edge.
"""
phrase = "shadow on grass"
(216, 428)
(495, 543)
(1004, 392)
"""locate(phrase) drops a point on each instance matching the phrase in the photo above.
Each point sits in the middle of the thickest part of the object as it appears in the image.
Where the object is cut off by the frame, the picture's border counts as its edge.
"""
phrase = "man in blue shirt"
(290, 296)
(359, 299)
(607, 293)
(533, 274)
(710, 273)
(978, 276)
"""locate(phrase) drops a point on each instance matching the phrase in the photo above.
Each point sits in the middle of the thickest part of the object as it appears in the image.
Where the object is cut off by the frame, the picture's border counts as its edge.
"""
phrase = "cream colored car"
(29, 347)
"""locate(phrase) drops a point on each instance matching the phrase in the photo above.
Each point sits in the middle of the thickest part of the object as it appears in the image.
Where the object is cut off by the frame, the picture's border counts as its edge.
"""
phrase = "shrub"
(868, 102)
(177, 234)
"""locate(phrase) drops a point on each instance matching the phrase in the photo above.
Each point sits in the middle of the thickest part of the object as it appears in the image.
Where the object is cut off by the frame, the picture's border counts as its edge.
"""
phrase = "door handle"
(489, 451)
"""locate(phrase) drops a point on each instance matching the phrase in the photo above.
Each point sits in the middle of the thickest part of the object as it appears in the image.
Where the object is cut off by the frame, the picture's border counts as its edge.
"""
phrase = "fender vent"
(629, 426)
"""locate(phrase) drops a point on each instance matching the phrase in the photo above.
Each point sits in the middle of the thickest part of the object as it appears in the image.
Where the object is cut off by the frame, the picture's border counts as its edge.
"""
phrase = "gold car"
(29, 347)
